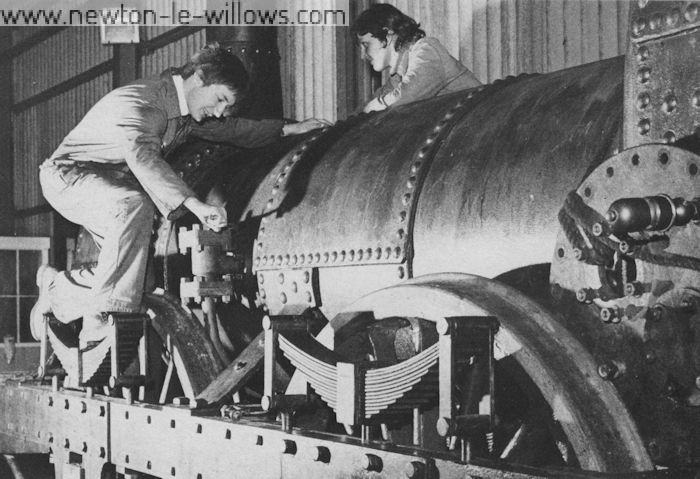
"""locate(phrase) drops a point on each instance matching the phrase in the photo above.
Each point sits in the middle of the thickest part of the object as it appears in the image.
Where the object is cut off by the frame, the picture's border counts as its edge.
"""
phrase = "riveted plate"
(490, 200)
(289, 288)
(662, 97)
(169, 441)
(176, 443)
(346, 196)
(641, 171)
(652, 19)
(35, 419)
(79, 424)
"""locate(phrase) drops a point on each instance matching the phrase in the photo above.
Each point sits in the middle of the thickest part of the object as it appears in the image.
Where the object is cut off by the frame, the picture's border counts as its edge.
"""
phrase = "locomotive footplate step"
(105, 362)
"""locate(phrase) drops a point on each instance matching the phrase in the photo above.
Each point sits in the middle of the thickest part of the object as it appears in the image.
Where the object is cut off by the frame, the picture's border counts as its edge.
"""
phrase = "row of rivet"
(281, 278)
(279, 182)
(669, 104)
(332, 257)
(419, 161)
(291, 285)
(368, 254)
(658, 20)
(256, 51)
(283, 296)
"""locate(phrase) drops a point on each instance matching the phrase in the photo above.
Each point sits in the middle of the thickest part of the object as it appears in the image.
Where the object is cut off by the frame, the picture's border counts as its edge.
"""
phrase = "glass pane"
(8, 317)
(8, 278)
(29, 262)
(25, 307)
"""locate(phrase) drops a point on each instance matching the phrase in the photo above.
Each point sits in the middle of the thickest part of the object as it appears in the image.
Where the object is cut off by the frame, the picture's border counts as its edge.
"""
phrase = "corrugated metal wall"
(312, 82)
(494, 38)
(308, 68)
(171, 55)
(175, 53)
(38, 127)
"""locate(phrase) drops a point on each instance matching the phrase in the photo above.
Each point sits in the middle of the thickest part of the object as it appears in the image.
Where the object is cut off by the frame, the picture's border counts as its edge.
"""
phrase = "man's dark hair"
(219, 67)
(381, 18)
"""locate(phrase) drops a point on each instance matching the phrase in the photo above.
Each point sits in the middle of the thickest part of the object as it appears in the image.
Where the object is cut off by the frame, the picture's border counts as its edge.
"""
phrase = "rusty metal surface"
(349, 195)
(345, 196)
(489, 202)
(662, 94)
(653, 19)
(646, 344)
(633, 173)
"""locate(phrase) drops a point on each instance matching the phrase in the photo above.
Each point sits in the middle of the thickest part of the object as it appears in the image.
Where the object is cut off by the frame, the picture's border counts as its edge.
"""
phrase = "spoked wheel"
(552, 408)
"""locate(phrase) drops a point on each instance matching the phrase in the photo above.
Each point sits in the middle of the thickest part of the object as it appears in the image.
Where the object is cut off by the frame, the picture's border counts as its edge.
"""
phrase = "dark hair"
(381, 18)
(219, 67)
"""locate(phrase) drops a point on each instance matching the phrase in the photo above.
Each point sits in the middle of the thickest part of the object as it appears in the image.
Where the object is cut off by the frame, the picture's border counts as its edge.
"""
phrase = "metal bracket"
(214, 263)
(273, 396)
(197, 239)
(464, 339)
(200, 288)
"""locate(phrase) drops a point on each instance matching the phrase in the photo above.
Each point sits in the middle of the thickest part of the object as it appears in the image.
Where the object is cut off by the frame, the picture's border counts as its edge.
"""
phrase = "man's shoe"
(95, 329)
(44, 277)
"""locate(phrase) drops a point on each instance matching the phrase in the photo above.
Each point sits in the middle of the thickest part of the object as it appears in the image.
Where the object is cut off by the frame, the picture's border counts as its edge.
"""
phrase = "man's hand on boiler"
(304, 126)
(213, 217)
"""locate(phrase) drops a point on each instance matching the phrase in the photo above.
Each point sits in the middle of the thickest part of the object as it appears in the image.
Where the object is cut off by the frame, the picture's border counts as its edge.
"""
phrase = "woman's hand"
(375, 104)
(304, 126)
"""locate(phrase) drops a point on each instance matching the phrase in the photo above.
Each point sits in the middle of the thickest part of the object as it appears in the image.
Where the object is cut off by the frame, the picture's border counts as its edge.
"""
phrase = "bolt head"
(605, 371)
(649, 356)
(371, 462)
(582, 295)
(414, 469)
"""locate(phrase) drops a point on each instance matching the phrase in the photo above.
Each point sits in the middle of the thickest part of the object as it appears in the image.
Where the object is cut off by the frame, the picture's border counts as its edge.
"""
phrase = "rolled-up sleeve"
(143, 126)
(242, 132)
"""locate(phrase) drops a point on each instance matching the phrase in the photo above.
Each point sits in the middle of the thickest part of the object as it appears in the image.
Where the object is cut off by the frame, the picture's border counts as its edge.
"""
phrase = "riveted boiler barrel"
(470, 182)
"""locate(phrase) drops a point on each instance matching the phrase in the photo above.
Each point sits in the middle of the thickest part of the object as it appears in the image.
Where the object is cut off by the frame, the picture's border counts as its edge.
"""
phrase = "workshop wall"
(494, 38)
(57, 74)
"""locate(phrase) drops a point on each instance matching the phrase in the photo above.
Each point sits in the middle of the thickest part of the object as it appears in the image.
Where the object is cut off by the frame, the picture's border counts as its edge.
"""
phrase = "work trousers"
(109, 202)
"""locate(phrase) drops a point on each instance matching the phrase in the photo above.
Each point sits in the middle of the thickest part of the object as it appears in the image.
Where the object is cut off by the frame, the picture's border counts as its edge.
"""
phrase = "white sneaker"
(44, 277)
